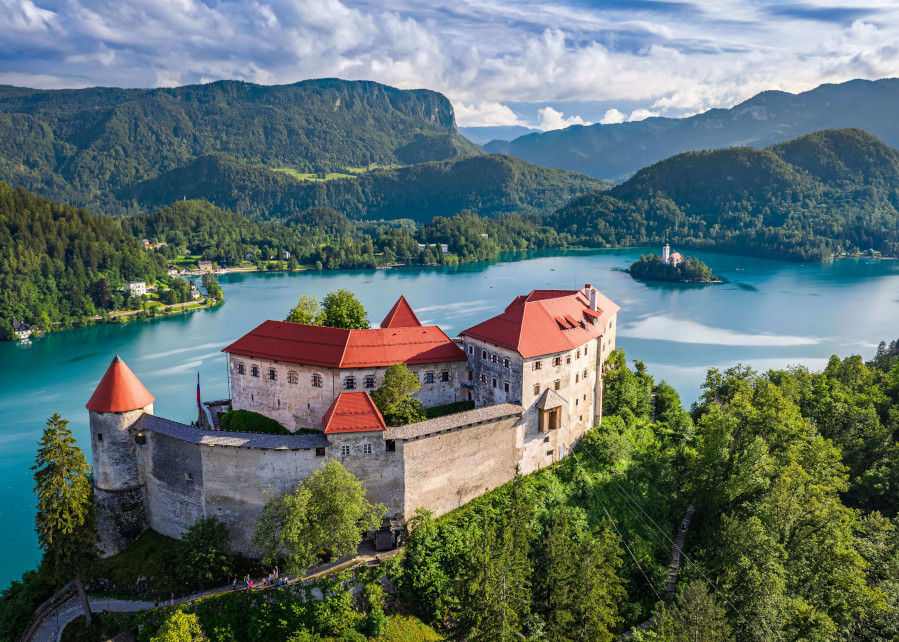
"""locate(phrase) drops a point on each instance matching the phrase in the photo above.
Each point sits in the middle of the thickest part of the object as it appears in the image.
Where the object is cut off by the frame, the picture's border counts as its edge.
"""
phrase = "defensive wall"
(187, 473)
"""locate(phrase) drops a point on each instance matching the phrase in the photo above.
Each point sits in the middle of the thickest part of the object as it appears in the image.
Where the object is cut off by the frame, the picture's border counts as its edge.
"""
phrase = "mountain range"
(616, 151)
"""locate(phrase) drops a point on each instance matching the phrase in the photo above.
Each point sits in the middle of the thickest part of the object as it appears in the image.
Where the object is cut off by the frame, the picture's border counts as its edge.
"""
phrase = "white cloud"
(612, 117)
(485, 114)
(641, 114)
(550, 118)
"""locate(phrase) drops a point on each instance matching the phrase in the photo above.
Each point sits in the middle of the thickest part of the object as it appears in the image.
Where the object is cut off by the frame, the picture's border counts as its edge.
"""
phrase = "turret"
(119, 400)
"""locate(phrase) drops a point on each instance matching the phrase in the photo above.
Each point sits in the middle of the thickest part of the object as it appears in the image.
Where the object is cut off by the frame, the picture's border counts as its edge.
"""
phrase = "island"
(671, 267)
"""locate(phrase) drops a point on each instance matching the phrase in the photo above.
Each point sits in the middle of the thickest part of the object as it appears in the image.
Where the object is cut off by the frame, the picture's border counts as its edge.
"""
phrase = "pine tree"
(65, 515)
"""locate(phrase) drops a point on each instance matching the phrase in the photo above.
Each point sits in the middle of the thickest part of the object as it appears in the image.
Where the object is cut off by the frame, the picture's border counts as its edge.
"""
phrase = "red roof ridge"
(119, 390)
(353, 412)
(401, 315)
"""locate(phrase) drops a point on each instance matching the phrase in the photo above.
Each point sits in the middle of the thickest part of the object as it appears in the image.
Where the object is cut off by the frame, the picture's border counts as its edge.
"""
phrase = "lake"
(769, 315)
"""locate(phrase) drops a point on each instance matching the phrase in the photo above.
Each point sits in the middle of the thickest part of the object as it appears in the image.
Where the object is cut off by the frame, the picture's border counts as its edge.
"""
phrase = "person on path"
(251, 585)
(277, 572)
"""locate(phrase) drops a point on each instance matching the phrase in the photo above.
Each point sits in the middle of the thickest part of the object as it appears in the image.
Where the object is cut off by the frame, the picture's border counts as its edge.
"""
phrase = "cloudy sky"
(501, 62)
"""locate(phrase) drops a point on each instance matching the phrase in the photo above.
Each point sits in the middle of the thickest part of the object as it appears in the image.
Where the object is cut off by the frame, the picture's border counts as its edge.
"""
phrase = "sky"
(501, 62)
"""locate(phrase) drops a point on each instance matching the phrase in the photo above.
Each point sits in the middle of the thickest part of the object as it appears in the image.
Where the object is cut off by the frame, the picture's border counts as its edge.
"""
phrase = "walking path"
(673, 568)
(50, 630)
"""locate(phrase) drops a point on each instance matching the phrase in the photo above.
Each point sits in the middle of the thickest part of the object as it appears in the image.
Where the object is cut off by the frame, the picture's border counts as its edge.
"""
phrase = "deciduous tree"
(396, 399)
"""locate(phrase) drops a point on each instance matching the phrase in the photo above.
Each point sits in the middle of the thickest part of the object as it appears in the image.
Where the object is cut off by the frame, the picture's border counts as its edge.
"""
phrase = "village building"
(205, 266)
(136, 288)
(534, 373)
(285, 254)
(21, 329)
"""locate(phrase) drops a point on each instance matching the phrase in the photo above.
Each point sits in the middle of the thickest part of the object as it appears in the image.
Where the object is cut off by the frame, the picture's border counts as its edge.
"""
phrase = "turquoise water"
(771, 314)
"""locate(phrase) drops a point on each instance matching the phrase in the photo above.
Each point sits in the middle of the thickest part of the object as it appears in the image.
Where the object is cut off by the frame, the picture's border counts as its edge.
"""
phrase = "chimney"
(592, 297)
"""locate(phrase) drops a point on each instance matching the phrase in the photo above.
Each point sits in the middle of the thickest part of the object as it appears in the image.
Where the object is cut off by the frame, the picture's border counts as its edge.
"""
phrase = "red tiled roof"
(401, 316)
(353, 412)
(340, 348)
(546, 322)
(119, 390)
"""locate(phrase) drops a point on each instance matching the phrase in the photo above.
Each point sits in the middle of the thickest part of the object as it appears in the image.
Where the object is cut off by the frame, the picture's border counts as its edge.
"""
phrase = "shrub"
(201, 557)
(249, 421)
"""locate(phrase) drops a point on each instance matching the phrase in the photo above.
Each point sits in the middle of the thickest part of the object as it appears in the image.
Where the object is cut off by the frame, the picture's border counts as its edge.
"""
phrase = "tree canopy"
(326, 513)
(396, 398)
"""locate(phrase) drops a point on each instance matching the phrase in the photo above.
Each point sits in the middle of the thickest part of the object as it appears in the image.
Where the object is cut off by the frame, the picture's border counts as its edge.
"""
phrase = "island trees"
(396, 399)
(652, 268)
(65, 516)
(327, 513)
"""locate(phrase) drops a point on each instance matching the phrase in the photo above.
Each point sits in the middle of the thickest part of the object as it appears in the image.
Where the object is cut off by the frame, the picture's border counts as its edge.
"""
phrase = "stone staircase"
(675, 552)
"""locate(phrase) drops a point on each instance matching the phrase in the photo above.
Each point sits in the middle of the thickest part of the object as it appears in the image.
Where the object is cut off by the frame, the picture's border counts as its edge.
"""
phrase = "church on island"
(533, 372)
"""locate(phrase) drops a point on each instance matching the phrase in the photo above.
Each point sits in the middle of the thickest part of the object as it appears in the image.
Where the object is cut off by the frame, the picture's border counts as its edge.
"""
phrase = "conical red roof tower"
(401, 316)
(119, 390)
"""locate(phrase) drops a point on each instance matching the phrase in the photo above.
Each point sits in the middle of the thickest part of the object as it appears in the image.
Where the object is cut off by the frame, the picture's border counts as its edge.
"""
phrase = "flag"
(198, 391)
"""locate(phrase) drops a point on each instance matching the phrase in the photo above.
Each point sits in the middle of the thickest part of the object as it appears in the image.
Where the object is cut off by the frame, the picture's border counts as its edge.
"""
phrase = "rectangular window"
(470, 374)
(241, 369)
(319, 452)
(366, 449)
(254, 371)
(507, 363)
(484, 355)
(585, 349)
(272, 374)
(585, 373)
(344, 451)
(538, 365)
(557, 384)
(292, 377)
(99, 436)
(494, 382)
(494, 358)
(349, 383)
(506, 386)
(567, 359)
(470, 349)
(444, 376)
(430, 377)
(577, 377)
(557, 361)
(316, 381)
(369, 381)
(578, 355)
(536, 389)
(482, 378)
(391, 446)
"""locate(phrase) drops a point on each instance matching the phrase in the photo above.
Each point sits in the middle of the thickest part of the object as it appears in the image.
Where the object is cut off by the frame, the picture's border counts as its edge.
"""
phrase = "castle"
(534, 373)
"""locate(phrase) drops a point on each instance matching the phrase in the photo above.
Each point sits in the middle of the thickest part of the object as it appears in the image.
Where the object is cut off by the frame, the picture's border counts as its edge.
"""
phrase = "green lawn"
(403, 628)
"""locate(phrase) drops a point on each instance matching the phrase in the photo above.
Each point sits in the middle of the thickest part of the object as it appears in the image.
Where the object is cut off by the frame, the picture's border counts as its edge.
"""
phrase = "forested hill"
(79, 146)
(53, 258)
(616, 151)
(808, 198)
(488, 185)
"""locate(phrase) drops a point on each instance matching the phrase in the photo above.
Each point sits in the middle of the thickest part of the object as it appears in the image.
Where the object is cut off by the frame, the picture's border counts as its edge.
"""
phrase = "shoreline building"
(534, 373)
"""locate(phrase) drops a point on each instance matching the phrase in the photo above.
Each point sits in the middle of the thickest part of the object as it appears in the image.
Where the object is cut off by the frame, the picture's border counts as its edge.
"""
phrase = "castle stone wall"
(112, 449)
(122, 517)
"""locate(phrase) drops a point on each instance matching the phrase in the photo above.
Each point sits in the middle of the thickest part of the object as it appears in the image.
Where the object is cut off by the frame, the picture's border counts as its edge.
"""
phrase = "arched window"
(292, 377)
(316, 381)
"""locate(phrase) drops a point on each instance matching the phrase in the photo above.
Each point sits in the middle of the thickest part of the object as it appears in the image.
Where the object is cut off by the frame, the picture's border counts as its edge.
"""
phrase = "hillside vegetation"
(809, 198)
(60, 264)
(487, 185)
(82, 146)
(616, 151)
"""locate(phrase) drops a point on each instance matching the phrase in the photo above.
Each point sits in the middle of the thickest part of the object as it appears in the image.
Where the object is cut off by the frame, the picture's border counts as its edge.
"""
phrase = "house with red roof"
(293, 372)
(545, 352)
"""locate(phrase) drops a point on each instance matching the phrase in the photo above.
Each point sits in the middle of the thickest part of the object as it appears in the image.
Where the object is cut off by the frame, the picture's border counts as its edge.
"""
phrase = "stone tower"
(119, 400)
(666, 254)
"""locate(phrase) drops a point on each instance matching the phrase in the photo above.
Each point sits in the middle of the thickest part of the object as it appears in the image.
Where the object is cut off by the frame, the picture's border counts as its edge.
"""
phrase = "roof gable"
(352, 412)
(119, 390)
(401, 315)
(547, 322)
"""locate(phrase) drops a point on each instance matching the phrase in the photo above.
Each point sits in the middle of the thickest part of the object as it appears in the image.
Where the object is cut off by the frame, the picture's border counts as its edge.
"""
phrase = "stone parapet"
(459, 420)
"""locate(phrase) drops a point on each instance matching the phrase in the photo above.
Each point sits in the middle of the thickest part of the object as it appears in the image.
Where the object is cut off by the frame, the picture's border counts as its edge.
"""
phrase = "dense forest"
(61, 265)
(651, 268)
(82, 146)
(616, 151)
(808, 199)
(487, 185)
